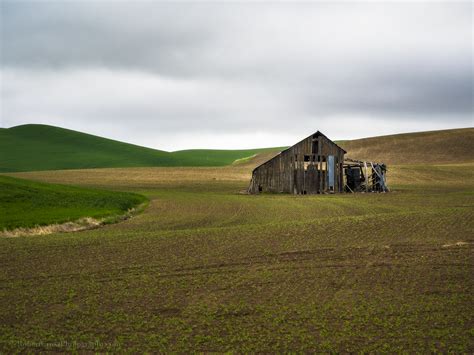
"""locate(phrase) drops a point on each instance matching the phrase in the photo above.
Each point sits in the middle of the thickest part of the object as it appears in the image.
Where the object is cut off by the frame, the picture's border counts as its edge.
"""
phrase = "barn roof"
(317, 134)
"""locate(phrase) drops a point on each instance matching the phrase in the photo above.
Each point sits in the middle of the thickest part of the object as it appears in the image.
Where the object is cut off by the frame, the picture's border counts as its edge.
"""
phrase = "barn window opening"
(260, 188)
(307, 158)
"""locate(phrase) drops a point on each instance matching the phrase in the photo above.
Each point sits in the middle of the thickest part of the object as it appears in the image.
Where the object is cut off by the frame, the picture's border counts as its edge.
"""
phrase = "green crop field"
(41, 147)
(206, 268)
(26, 203)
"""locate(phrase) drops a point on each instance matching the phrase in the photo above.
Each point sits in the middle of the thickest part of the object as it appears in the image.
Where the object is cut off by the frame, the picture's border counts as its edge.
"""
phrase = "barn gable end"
(313, 165)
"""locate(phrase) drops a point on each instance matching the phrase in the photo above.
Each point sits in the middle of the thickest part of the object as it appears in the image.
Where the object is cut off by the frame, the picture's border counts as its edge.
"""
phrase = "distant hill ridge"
(35, 147)
(444, 146)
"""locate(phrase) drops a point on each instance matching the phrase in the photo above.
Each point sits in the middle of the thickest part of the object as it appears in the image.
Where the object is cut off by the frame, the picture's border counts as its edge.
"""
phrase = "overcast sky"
(236, 75)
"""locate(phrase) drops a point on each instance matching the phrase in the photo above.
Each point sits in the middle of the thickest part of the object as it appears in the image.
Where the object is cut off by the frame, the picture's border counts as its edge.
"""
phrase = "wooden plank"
(286, 174)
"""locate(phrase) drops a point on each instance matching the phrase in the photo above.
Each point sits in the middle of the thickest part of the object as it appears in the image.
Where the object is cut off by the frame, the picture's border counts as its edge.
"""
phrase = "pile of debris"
(363, 176)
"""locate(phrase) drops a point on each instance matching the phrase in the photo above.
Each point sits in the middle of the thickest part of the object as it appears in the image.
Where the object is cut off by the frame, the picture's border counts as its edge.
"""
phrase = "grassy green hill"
(27, 203)
(212, 157)
(41, 147)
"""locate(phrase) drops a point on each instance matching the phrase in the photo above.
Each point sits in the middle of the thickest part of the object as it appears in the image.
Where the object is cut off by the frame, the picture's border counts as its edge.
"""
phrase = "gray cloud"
(256, 73)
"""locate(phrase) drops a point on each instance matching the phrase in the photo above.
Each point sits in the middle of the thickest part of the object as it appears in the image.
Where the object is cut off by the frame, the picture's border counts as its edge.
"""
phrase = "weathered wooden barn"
(312, 166)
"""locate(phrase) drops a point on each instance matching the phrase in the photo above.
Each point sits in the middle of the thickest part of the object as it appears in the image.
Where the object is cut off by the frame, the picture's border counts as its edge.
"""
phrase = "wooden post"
(366, 177)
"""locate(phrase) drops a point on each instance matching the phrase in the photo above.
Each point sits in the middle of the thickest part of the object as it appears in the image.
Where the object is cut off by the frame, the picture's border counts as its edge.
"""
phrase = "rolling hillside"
(42, 147)
(434, 147)
(446, 146)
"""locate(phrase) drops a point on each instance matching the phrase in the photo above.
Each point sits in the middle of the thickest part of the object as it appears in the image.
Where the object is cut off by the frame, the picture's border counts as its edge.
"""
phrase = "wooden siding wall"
(288, 172)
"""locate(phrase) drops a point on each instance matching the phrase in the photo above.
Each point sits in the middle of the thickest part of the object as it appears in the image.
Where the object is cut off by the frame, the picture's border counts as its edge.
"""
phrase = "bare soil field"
(207, 268)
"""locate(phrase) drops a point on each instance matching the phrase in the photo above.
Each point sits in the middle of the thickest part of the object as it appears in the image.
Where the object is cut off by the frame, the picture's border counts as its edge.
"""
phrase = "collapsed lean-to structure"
(317, 165)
